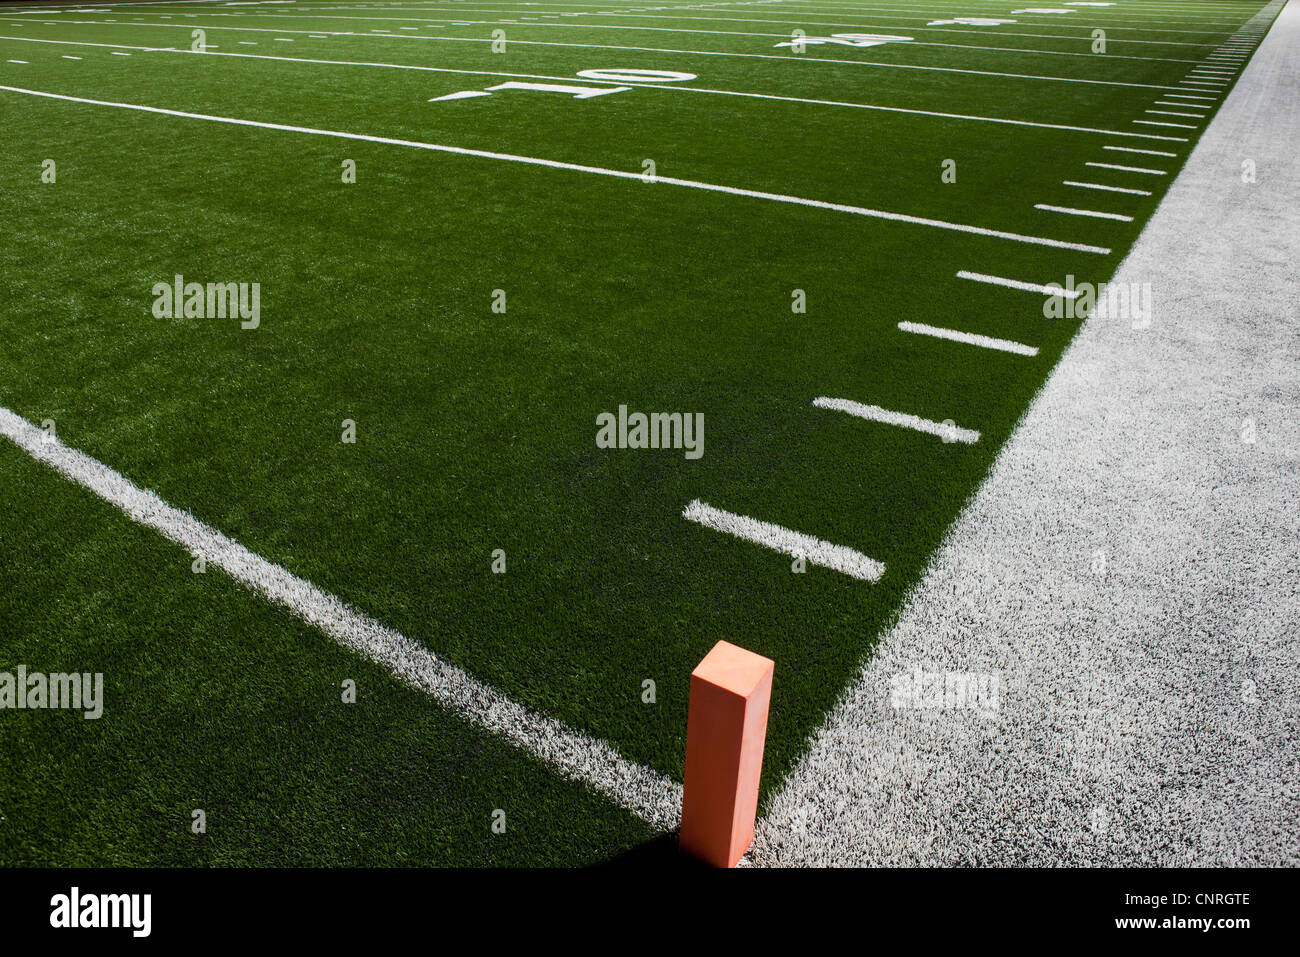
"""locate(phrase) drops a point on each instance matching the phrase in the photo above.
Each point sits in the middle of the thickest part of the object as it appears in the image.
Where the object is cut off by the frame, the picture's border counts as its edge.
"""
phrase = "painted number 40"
(580, 92)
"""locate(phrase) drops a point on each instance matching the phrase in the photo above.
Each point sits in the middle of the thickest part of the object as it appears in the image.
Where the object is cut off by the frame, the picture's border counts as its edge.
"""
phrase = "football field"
(400, 399)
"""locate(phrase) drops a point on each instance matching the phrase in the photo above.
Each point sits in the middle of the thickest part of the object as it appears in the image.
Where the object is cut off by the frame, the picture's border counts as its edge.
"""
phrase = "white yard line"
(710, 53)
(903, 420)
(844, 23)
(1094, 214)
(591, 170)
(575, 755)
(1108, 189)
(795, 544)
(666, 87)
(969, 338)
(1047, 290)
(732, 33)
(1128, 169)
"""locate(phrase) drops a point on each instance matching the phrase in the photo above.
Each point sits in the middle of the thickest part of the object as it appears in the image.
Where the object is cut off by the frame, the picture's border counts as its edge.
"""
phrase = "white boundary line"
(904, 420)
(778, 538)
(575, 755)
(1053, 290)
(1108, 189)
(1128, 169)
(969, 338)
(1070, 211)
(594, 170)
(1023, 51)
(639, 86)
(644, 86)
(803, 58)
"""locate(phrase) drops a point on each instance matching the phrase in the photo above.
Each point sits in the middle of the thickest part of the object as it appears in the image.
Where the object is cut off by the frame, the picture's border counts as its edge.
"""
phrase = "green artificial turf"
(214, 700)
(476, 429)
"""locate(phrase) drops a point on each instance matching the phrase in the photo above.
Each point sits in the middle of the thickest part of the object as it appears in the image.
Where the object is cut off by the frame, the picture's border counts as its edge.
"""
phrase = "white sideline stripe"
(1127, 169)
(1054, 290)
(685, 89)
(969, 338)
(18, 61)
(1183, 105)
(1195, 116)
(1193, 96)
(1083, 212)
(623, 28)
(795, 544)
(594, 170)
(1181, 126)
(876, 13)
(1108, 189)
(577, 756)
(904, 420)
(722, 53)
(67, 57)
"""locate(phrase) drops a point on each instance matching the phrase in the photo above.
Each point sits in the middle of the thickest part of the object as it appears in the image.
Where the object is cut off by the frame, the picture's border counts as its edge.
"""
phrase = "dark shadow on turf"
(658, 852)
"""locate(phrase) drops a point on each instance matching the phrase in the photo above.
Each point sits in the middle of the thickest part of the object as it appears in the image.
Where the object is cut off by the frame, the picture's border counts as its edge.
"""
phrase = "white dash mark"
(1083, 212)
(795, 544)
(1127, 169)
(1049, 290)
(969, 338)
(1108, 189)
(904, 420)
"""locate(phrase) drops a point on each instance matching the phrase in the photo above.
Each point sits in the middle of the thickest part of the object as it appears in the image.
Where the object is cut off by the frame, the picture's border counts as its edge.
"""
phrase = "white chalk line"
(1047, 290)
(969, 338)
(593, 170)
(856, 22)
(903, 420)
(1128, 169)
(738, 33)
(795, 544)
(1069, 211)
(753, 56)
(666, 88)
(1108, 189)
(577, 756)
